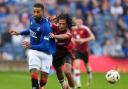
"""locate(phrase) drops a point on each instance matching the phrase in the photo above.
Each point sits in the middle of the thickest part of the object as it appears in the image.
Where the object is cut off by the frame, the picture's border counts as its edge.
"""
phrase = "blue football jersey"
(39, 36)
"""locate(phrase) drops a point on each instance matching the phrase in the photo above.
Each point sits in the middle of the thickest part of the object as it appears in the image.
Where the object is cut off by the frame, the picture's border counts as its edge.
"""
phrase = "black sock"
(35, 84)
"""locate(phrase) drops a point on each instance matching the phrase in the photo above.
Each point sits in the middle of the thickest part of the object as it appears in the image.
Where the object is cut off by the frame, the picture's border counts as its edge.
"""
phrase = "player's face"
(78, 22)
(62, 24)
(37, 13)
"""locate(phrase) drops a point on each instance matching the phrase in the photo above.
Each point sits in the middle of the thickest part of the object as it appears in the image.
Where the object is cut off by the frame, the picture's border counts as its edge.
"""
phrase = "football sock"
(77, 76)
(89, 73)
(35, 84)
(63, 83)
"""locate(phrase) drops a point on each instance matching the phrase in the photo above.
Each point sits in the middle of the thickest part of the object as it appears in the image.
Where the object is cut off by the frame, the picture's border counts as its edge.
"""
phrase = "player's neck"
(39, 19)
(79, 26)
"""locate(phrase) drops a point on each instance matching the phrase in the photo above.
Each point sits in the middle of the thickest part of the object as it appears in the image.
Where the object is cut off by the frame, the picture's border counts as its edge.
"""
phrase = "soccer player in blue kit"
(41, 47)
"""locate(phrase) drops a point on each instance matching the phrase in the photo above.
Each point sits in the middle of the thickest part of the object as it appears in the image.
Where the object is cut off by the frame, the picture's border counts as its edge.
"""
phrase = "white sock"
(77, 76)
(89, 73)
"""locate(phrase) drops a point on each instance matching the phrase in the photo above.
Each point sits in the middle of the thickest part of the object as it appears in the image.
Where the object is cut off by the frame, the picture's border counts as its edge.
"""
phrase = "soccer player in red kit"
(63, 55)
(81, 36)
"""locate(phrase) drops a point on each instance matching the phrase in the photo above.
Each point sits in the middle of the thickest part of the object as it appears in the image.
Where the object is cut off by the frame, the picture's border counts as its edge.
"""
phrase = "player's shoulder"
(45, 20)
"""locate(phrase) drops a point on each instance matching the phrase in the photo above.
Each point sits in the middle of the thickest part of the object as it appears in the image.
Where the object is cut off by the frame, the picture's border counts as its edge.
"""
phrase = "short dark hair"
(66, 17)
(38, 5)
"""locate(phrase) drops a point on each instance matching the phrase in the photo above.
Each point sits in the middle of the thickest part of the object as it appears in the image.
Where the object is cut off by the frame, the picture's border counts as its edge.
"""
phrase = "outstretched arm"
(25, 32)
(15, 32)
(61, 36)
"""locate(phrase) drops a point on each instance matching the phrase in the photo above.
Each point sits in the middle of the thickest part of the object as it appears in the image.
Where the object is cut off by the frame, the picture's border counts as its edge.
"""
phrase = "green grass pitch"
(21, 80)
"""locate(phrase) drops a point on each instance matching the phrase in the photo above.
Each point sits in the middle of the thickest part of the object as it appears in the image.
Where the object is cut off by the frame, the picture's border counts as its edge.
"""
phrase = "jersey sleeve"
(42, 46)
(87, 31)
(25, 32)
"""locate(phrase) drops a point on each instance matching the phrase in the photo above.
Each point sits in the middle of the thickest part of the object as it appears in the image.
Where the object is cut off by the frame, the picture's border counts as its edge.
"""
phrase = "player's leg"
(57, 63)
(46, 63)
(76, 72)
(76, 69)
(69, 75)
(43, 79)
(88, 68)
(60, 76)
(89, 73)
(34, 78)
(34, 67)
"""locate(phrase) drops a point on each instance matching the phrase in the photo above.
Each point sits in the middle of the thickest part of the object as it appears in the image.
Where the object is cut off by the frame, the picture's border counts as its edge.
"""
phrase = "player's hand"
(14, 32)
(51, 35)
(26, 44)
(53, 19)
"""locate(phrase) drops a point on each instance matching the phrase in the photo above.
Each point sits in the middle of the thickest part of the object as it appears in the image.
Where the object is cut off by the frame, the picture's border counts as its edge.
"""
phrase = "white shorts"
(39, 60)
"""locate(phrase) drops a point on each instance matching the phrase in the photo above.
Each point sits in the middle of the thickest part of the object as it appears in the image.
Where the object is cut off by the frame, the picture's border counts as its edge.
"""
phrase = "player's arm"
(67, 35)
(25, 32)
(15, 32)
(61, 36)
(52, 19)
(91, 36)
(40, 46)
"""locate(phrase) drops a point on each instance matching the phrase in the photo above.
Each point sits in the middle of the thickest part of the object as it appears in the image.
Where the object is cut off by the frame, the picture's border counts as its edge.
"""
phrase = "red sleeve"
(86, 31)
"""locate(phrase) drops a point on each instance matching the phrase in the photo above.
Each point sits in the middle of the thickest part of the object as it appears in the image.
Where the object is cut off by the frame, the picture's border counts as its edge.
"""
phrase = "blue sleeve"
(38, 47)
(25, 32)
(44, 45)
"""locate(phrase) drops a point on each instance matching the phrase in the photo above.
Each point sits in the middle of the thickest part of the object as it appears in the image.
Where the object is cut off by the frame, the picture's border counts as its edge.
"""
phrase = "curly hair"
(67, 18)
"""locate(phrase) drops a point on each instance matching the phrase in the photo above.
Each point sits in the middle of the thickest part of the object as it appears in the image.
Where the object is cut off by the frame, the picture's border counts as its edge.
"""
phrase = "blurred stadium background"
(107, 19)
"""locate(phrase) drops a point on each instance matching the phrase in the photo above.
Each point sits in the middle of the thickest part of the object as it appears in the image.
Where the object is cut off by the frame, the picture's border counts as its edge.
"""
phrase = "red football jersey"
(78, 33)
(66, 43)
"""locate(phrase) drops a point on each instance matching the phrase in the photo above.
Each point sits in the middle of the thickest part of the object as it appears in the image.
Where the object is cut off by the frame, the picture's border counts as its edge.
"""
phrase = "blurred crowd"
(107, 19)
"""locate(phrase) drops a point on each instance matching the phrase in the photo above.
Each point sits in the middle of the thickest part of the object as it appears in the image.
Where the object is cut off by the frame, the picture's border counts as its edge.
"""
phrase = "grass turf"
(21, 80)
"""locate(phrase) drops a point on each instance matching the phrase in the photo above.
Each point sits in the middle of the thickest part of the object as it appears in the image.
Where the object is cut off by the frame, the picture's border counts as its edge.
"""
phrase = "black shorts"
(81, 55)
(60, 58)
